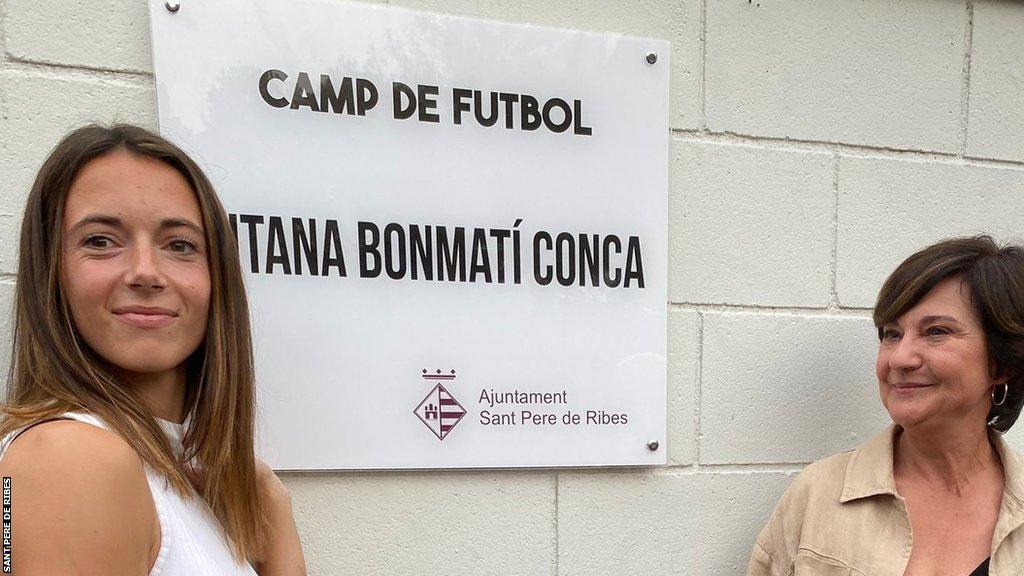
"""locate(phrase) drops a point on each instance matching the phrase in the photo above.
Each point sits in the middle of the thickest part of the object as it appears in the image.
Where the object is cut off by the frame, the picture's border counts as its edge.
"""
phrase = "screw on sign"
(440, 411)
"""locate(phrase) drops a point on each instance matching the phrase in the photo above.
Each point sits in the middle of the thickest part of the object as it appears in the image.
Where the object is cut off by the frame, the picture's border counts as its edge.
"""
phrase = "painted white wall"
(815, 144)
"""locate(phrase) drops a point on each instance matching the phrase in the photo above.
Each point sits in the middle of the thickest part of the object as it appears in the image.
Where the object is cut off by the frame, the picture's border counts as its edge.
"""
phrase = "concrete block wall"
(814, 145)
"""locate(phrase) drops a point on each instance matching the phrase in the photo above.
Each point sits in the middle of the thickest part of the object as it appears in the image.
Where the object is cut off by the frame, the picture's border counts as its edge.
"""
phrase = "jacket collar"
(1013, 468)
(870, 471)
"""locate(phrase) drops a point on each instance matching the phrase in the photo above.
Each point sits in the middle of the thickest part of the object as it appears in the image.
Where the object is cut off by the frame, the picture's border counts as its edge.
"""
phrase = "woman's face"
(134, 265)
(932, 361)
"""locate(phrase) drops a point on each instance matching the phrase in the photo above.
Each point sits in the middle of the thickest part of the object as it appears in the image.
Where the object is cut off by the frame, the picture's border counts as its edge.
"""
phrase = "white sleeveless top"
(192, 542)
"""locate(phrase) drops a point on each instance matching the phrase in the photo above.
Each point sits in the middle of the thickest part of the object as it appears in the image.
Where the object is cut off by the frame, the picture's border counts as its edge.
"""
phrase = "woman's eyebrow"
(939, 318)
(181, 222)
(116, 222)
(112, 221)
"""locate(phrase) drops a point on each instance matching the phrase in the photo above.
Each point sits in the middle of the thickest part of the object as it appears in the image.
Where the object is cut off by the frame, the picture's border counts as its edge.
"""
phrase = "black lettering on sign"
(334, 256)
(479, 262)
(428, 102)
(452, 256)
(303, 94)
(265, 78)
(394, 251)
(542, 275)
(304, 248)
(421, 252)
(277, 249)
(369, 240)
(438, 253)
(340, 101)
(296, 253)
(554, 114)
(346, 95)
(252, 221)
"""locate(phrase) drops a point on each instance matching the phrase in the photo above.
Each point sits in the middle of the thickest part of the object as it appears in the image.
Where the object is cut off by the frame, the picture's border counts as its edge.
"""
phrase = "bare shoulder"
(269, 484)
(66, 438)
(79, 497)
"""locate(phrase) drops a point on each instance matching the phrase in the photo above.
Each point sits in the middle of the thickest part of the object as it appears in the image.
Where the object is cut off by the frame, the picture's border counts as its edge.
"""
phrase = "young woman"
(128, 426)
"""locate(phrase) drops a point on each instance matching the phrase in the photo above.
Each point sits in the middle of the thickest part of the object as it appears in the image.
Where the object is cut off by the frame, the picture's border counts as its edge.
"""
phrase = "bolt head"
(652, 57)
(172, 5)
(652, 445)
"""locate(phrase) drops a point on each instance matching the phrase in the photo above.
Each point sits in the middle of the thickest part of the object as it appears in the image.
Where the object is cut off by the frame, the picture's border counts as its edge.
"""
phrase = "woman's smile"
(910, 388)
(145, 316)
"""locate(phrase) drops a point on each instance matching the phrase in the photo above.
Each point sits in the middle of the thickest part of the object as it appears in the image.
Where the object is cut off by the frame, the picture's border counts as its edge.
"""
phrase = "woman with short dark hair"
(939, 492)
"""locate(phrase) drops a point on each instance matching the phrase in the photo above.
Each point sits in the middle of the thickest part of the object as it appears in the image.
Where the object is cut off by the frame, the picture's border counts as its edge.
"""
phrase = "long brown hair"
(53, 370)
(994, 277)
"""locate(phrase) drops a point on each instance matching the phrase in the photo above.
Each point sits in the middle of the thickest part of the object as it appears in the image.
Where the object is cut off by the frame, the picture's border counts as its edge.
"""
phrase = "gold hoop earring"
(1002, 399)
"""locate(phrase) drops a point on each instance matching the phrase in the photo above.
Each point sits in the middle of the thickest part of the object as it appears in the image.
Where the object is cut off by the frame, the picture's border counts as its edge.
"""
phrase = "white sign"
(453, 230)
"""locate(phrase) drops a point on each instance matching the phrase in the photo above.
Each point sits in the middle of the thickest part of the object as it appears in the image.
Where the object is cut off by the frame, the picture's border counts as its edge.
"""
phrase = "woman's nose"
(144, 268)
(905, 356)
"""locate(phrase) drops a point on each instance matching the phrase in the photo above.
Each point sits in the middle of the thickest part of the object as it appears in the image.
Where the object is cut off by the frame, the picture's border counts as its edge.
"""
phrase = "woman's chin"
(908, 412)
(146, 357)
(150, 366)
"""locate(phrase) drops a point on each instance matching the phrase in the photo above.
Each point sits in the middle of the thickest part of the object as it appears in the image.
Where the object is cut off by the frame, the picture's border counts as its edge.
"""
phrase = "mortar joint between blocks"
(843, 149)
(697, 393)
(4, 55)
(703, 66)
(833, 303)
(95, 72)
(558, 536)
(842, 311)
(965, 90)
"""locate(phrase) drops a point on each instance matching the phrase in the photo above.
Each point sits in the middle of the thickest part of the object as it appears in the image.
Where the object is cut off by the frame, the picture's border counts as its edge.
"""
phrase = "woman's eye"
(890, 334)
(97, 241)
(183, 246)
(936, 331)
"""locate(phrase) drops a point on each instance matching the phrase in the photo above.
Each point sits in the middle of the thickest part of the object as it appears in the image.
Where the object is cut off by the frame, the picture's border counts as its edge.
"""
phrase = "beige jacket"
(842, 515)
